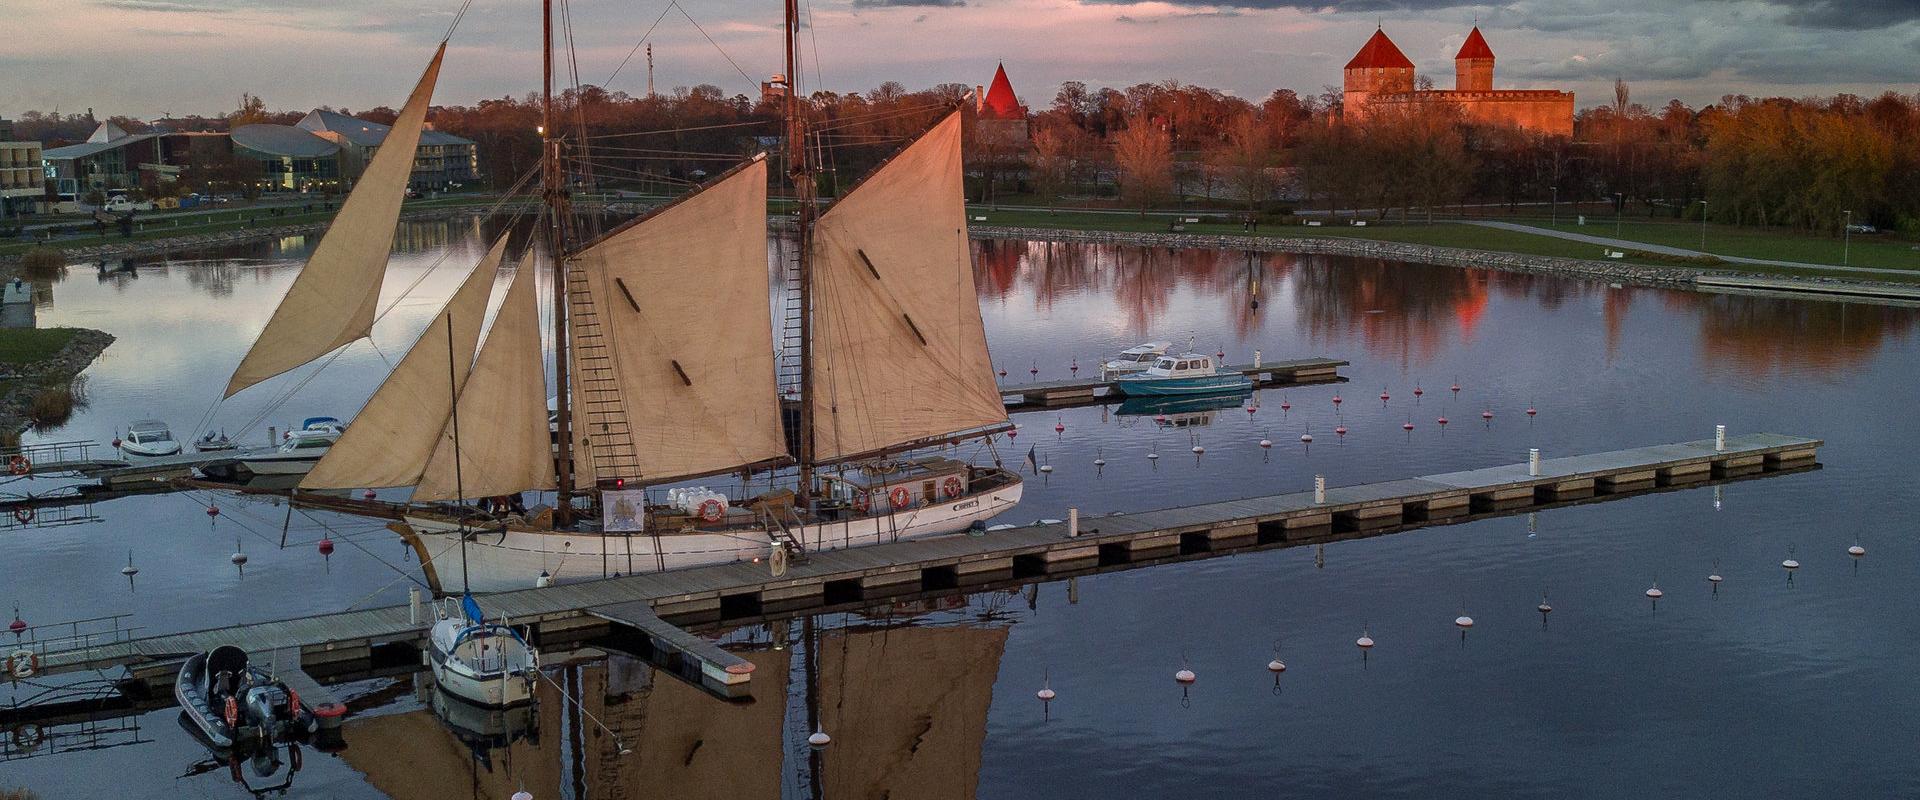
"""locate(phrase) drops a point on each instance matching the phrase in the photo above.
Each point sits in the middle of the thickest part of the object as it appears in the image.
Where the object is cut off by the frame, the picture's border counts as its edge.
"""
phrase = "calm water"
(1768, 686)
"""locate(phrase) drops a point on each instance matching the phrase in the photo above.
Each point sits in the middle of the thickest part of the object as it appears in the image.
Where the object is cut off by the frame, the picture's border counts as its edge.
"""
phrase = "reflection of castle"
(1380, 76)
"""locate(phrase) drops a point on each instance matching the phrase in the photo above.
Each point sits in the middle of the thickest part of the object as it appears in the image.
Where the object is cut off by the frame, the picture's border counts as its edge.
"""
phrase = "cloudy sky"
(145, 58)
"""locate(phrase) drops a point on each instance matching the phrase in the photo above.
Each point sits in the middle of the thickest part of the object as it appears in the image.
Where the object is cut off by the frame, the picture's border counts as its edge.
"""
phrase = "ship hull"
(516, 559)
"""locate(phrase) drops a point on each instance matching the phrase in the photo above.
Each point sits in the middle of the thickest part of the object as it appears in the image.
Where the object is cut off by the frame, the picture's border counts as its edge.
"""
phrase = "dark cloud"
(908, 3)
(1850, 14)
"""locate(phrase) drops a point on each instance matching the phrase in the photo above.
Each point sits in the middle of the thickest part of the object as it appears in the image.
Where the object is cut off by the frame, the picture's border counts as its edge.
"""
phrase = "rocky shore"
(20, 383)
(1611, 272)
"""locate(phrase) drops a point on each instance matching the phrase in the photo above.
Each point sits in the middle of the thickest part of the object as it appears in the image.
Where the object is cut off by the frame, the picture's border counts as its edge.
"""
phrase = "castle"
(1381, 76)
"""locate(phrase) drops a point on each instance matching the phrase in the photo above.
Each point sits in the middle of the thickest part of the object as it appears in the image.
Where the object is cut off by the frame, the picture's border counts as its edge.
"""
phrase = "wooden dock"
(1095, 389)
(340, 643)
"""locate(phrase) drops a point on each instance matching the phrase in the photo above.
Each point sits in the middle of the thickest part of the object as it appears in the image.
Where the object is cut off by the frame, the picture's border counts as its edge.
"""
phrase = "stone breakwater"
(20, 382)
(201, 241)
(1680, 277)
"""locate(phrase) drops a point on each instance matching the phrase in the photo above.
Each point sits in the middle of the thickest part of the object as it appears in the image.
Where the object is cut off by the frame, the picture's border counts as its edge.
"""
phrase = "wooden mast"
(803, 188)
(554, 192)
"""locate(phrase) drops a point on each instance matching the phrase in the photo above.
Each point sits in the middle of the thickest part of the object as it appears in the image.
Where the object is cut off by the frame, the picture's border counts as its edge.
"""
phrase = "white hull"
(515, 559)
(150, 451)
(280, 466)
(499, 690)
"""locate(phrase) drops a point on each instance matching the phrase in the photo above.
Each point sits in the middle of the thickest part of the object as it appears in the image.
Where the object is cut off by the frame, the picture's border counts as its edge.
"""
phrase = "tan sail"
(899, 353)
(332, 302)
(673, 374)
(393, 435)
(505, 445)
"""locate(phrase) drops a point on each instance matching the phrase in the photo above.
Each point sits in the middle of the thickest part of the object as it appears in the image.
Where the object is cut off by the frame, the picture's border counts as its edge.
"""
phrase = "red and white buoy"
(1384, 397)
(1185, 676)
(18, 625)
(1531, 411)
(1487, 414)
(1284, 405)
(326, 546)
(1417, 391)
(1059, 426)
(1456, 385)
(1074, 367)
(1339, 430)
(1003, 372)
(213, 511)
(1407, 427)
(1336, 399)
(1441, 421)
(369, 494)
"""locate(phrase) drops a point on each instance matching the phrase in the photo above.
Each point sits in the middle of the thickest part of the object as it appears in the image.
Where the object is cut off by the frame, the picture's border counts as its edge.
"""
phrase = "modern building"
(290, 157)
(22, 175)
(441, 158)
(1381, 76)
(110, 159)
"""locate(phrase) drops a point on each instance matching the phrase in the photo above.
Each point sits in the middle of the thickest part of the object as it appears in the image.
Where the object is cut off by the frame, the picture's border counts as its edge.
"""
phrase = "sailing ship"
(667, 371)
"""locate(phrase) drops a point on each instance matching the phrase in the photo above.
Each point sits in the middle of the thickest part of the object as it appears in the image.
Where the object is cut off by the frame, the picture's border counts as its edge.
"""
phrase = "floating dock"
(1098, 389)
(636, 605)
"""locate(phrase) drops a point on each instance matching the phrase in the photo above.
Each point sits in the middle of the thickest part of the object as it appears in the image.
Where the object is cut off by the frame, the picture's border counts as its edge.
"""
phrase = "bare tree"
(1144, 154)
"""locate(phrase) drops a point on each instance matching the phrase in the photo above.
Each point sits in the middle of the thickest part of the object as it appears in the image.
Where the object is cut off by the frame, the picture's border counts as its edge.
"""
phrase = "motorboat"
(298, 451)
(237, 703)
(212, 442)
(486, 663)
(150, 438)
(1134, 359)
(1188, 374)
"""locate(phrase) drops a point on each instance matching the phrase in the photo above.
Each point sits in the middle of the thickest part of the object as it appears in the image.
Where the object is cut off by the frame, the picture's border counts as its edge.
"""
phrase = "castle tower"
(1473, 66)
(999, 101)
(1378, 69)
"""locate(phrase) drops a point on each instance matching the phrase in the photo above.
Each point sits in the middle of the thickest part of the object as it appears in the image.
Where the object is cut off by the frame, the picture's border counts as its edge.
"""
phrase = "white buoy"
(1655, 592)
(1306, 438)
(1046, 467)
(1790, 564)
(239, 557)
(1153, 456)
(1463, 621)
(1099, 462)
(543, 581)
(1856, 551)
(1197, 449)
(129, 570)
(1045, 695)
(1185, 676)
(819, 738)
(1365, 642)
(1266, 442)
(1276, 665)
(1544, 607)
(523, 795)
(1715, 578)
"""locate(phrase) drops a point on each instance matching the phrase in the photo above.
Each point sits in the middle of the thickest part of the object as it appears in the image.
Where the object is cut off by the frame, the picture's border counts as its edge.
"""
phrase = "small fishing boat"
(1134, 359)
(213, 442)
(299, 452)
(1189, 374)
(485, 663)
(150, 438)
(235, 702)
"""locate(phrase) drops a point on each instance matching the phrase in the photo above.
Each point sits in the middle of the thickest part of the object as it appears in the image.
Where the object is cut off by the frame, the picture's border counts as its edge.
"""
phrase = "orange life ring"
(19, 465)
(23, 514)
(710, 510)
(860, 502)
(951, 487)
(233, 712)
(899, 498)
(23, 664)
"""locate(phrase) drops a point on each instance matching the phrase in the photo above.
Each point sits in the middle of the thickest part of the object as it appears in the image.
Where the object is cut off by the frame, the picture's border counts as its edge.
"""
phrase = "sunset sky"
(145, 58)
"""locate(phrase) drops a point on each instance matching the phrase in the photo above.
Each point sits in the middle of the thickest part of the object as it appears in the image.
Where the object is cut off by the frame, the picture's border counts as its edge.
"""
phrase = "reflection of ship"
(482, 729)
(907, 707)
(1181, 412)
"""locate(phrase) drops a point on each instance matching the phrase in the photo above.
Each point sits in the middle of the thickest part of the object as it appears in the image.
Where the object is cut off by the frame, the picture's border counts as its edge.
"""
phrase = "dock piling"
(1533, 461)
(1319, 490)
(1719, 438)
(1073, 523)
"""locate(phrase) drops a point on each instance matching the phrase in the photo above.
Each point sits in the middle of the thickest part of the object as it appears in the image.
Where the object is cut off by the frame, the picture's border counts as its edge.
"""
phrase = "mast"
(453, 388)
(803, 188)
(555, 195)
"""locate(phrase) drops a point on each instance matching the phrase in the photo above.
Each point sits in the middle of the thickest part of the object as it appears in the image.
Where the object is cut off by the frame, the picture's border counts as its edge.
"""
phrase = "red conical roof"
(1380, 53)
(1000, 101)
(1475, 46)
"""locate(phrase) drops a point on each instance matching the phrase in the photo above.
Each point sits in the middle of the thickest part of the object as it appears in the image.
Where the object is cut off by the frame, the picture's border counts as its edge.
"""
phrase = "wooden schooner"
(666, 363)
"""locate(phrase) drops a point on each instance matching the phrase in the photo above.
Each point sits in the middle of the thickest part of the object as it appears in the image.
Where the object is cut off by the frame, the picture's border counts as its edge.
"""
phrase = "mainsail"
(505, 445)
(332, 302)
(394, 434)
(899, 355)
(673, 371)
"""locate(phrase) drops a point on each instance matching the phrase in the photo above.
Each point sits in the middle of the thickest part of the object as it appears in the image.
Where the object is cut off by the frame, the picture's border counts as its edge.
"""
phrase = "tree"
(1144, 154)
(1052, 162)
(252, 111)
(1245, 159)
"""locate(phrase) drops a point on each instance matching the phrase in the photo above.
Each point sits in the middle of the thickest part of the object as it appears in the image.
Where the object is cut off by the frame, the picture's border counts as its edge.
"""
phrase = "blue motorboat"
(1188, 374)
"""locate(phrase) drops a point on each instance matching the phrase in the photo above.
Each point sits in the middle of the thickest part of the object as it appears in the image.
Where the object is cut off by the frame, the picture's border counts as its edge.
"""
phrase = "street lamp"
(1553, 216)
(1846, 241)
(1703, 226)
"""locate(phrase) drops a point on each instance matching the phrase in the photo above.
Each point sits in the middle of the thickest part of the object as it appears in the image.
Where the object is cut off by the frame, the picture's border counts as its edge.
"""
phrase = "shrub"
(43, 263)
(52, 406)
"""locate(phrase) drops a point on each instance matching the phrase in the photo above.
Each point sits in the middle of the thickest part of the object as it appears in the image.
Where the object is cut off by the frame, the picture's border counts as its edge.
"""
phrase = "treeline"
(1801, 163)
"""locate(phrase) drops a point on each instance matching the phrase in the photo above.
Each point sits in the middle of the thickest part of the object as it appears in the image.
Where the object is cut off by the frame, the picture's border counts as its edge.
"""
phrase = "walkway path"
(1626, 244)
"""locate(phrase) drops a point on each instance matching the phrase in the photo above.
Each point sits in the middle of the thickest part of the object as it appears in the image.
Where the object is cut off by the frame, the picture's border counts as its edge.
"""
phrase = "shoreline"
(23, 381)
(1666, 277)
(174, 244)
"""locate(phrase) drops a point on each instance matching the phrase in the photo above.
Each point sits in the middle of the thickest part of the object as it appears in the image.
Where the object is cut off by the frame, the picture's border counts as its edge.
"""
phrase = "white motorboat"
(300, 450)
(485, 663)
(149, 437)
(212, 443)
(1134, 359)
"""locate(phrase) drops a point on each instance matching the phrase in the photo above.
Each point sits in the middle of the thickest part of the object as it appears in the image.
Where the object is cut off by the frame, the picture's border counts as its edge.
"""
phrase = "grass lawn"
(1880, 250)
(27, 345)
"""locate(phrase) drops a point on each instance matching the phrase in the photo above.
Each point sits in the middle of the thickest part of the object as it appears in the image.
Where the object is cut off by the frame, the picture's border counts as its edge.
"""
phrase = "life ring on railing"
(19, 465)
(23, 664)
(899, 498)
(951, 487)
(27, 736)
(23, 514)
(710, 510)
(860, 502)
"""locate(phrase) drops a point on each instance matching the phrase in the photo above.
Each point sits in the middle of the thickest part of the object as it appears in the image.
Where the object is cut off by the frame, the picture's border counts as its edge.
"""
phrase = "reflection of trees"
(213, 277)
(1760, 336)
(1142, 281)
(1395, 309)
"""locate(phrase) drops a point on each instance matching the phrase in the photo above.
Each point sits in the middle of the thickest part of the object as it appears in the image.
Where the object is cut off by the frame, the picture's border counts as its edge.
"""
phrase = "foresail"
(505, 444)
(899, 353)
(392, 437)
(332, 302)
(673, 347)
